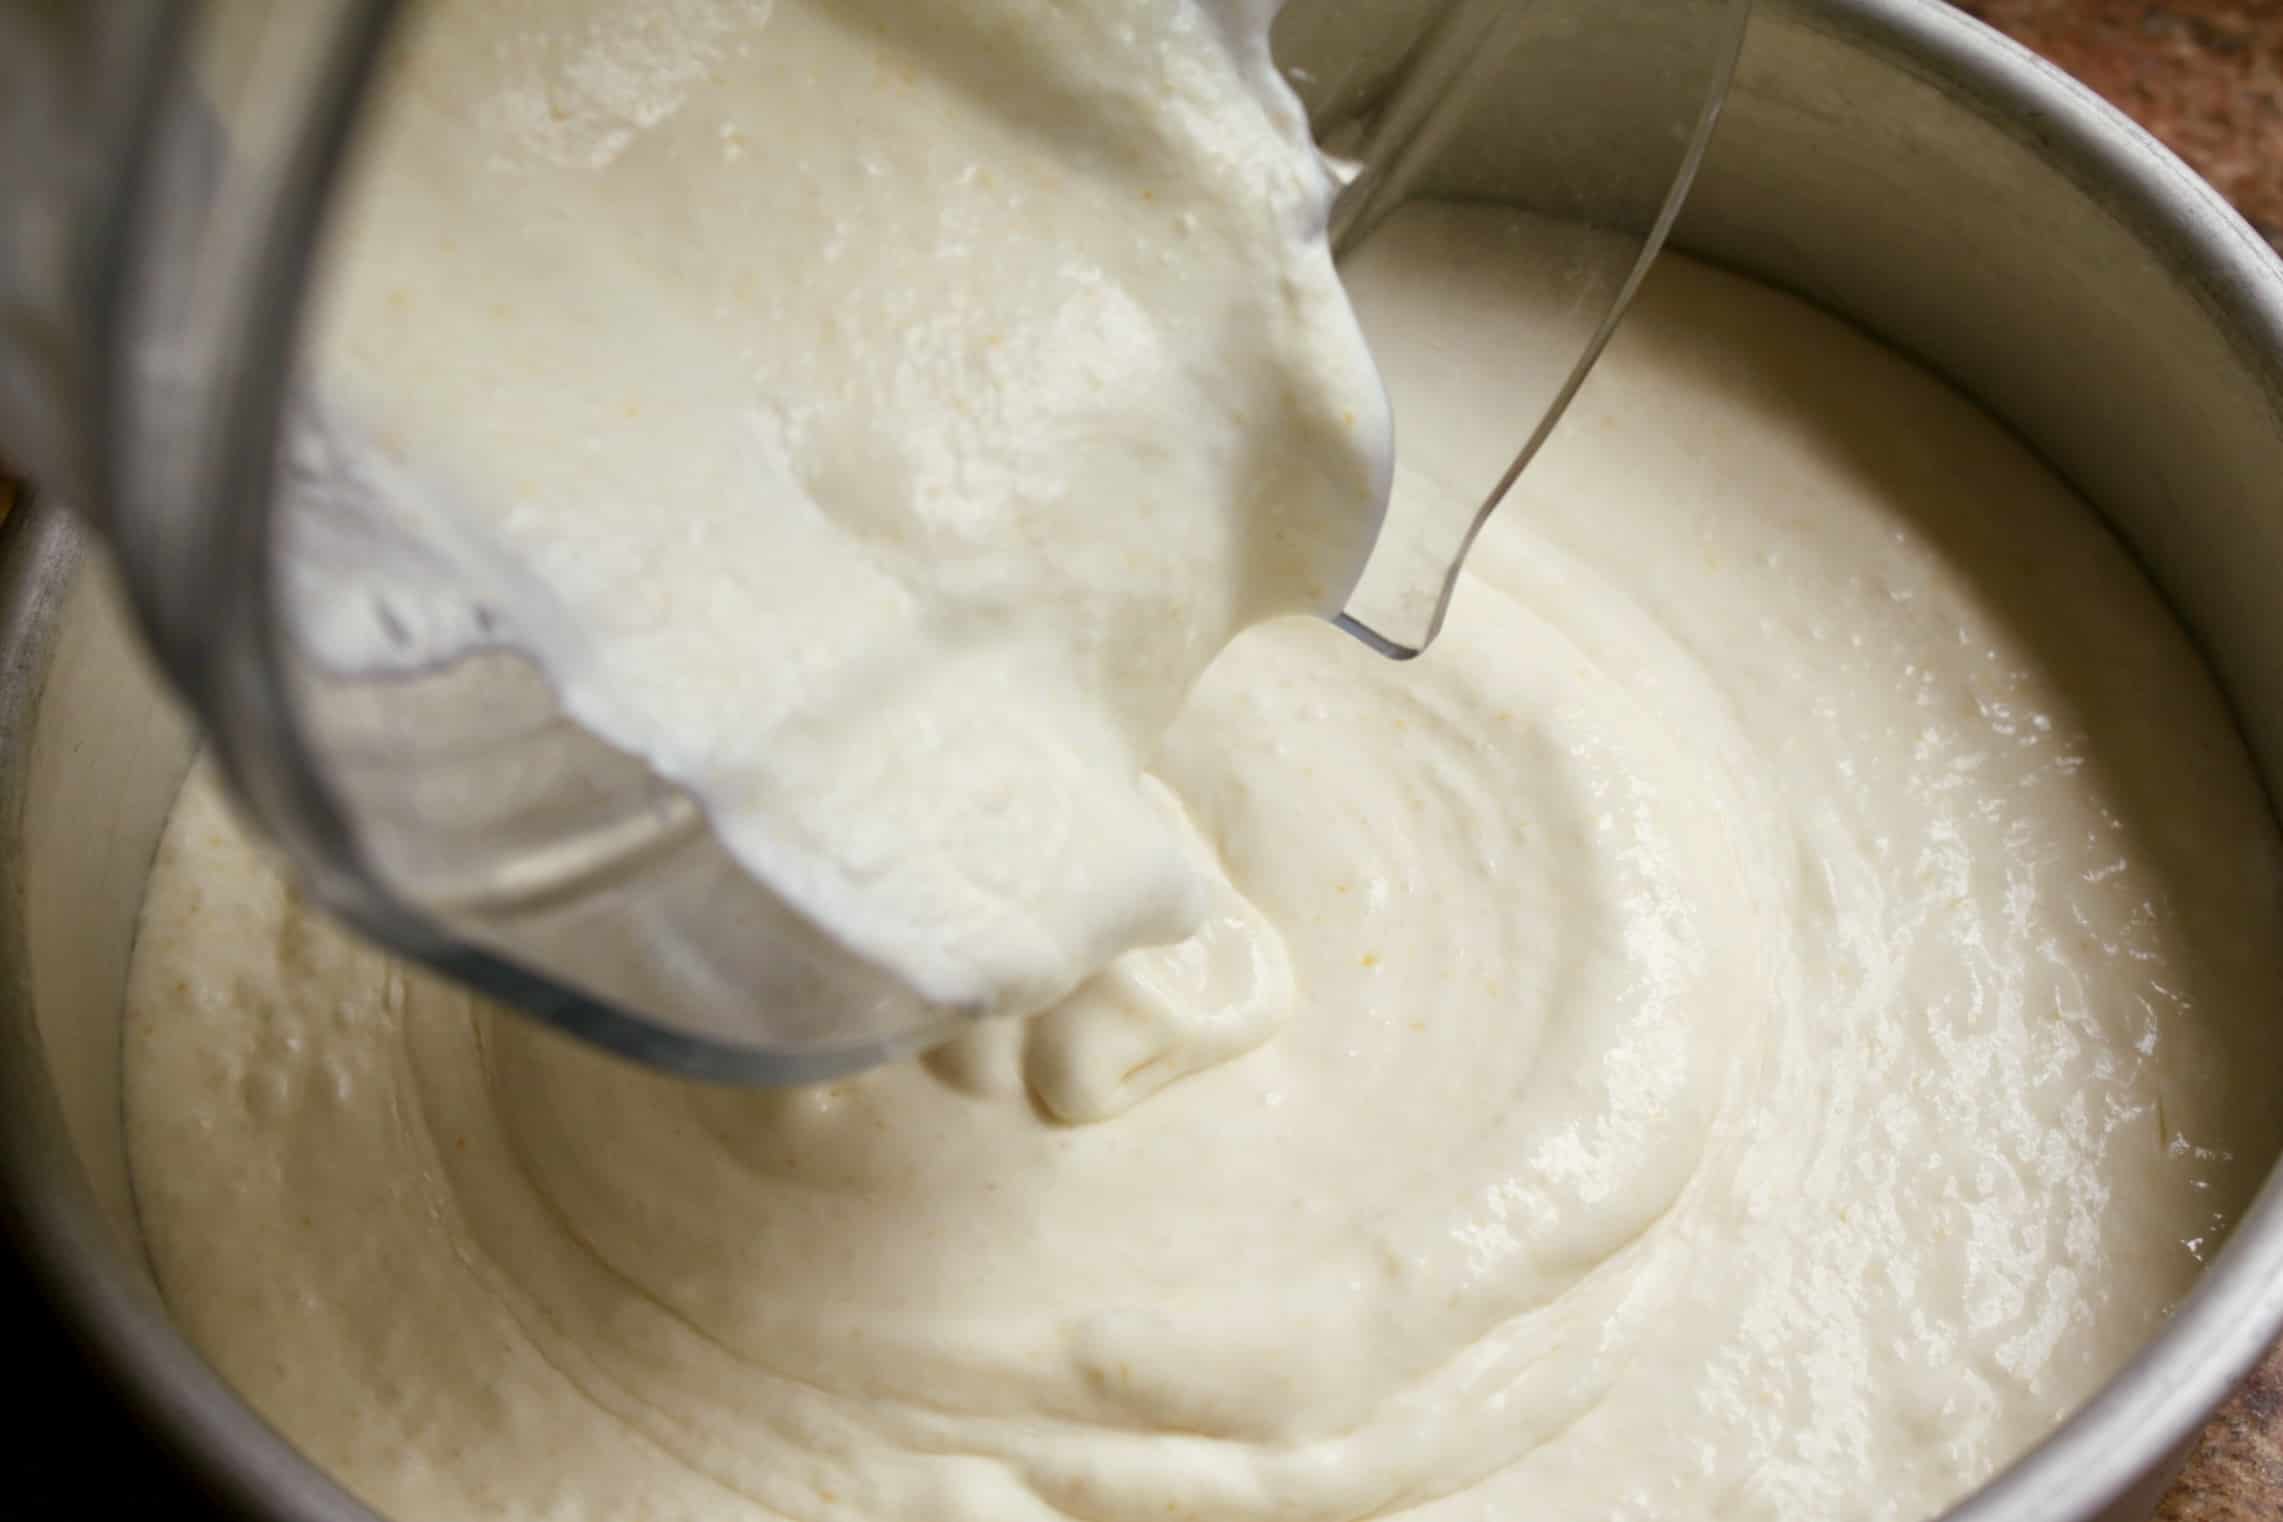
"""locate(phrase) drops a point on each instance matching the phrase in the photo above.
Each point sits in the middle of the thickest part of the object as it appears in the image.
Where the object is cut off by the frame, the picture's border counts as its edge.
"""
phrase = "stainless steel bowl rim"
(2145, 1413)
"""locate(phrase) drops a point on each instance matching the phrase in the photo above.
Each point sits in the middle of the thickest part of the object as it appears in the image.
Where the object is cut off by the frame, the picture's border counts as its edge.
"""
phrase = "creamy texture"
(1782, 1003)
(873, 416)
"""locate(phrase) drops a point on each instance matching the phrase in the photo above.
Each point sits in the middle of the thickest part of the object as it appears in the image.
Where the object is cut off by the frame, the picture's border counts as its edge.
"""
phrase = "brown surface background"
(2206, 76)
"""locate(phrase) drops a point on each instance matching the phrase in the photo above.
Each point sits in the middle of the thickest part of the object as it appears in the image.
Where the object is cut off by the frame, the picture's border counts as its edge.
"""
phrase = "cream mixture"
(874, 417)
(1780, 1010)
(1757, 1023)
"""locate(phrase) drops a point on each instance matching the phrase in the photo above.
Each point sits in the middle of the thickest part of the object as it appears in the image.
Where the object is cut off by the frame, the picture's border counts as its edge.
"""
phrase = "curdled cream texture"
(1781, 1005)
(873, 416)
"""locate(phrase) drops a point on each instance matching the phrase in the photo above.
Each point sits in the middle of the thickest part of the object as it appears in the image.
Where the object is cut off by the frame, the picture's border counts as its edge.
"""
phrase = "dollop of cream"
(1773, 1008)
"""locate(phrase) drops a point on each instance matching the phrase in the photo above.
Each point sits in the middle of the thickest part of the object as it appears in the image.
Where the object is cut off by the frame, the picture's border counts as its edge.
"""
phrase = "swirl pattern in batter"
(1761, 1021)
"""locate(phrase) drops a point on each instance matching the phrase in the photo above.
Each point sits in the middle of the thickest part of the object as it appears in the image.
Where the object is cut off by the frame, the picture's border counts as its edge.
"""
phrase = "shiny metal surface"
(1898, 163)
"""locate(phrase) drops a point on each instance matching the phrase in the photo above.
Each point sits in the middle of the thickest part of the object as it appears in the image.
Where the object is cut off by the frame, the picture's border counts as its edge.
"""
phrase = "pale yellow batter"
(1778, 1003)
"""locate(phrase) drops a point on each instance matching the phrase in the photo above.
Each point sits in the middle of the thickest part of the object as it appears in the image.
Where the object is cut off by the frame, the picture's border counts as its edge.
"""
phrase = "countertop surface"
(2205, 76)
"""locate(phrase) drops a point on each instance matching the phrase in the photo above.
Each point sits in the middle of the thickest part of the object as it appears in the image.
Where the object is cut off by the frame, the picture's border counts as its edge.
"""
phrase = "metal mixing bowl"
(1897, 163)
